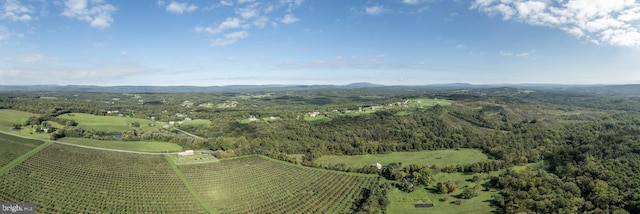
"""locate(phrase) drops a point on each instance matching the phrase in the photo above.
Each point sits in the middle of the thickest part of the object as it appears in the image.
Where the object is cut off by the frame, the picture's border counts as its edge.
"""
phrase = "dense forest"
(589, 141)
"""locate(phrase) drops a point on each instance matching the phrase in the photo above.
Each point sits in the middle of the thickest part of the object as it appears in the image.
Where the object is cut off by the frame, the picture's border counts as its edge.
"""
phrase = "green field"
(9, 117)
(67, 179)
(427, 102)
(427, 157)
(108, 123)
(402, 202)
(260, 185)
(197, 122)
(139, 146)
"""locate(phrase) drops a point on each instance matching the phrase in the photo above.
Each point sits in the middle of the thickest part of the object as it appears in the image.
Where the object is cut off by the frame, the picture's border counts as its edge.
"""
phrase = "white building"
(377, 165)
(186, 153)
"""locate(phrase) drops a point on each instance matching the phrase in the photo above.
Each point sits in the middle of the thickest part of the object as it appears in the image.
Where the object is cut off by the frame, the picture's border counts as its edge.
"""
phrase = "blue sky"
(393, 42)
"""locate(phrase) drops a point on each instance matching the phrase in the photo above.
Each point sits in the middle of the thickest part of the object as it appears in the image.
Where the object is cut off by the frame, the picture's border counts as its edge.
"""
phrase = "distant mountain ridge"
(627, 89)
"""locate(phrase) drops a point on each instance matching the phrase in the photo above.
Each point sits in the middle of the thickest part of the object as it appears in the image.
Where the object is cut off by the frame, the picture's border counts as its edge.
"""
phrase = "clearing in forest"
(427, 158)
(402, 202)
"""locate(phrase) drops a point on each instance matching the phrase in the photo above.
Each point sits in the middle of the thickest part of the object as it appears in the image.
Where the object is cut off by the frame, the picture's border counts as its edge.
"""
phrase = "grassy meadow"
(402, 202)
(108, 123)
(197, 122)
(427, 157)
(138, 146)
(9, 117)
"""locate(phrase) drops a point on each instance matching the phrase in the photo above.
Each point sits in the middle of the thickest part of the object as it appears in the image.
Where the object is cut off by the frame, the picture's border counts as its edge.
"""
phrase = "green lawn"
(9, 117)
(107, 123)
(139, 146)
(402, 202)
(428, 157)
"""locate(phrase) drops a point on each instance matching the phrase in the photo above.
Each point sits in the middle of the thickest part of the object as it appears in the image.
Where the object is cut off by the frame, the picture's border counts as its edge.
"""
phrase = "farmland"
(108, 123)
(428, 157)
(78, 180)
(13, 147)
(256, 184)
(549, 139)
(63, 178)
(139, 146)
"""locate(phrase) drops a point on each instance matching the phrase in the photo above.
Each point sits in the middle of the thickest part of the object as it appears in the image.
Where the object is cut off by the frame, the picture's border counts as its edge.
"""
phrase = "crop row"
(12, 147)
(258, 185)
(77, 180)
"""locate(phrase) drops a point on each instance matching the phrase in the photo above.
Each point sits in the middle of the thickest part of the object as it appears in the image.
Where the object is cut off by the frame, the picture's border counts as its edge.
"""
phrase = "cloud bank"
(613, 22)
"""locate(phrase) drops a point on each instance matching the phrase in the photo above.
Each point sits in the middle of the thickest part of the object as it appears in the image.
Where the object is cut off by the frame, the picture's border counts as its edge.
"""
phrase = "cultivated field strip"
(12, 147)
(258, 185)
(65, 179)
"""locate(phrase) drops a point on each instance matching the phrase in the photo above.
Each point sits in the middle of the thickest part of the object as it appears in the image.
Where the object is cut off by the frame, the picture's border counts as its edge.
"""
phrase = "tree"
(442, 188)
(71, 123)
(468, 193)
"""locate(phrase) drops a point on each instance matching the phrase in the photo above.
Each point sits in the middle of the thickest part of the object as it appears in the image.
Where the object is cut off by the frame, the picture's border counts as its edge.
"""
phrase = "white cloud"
(248, 15)
(13, 10)
(229, 23)
(374, 10)
(522, 54)
(460, 46)
(226, 3)
(289, 19)
(410, 1)
(229, 39)
(613, 22)
(247, 12)
(95, 12)
(179, 8)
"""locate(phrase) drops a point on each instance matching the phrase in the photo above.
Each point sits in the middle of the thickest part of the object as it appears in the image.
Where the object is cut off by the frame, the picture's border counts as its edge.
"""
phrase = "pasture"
(427, 157)
(108, 123)
(402, 202)
(138, 146)
(9, 117)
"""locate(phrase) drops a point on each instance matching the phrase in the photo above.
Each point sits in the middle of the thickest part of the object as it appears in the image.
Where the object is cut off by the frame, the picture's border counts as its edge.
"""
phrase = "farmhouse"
(186, 153)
